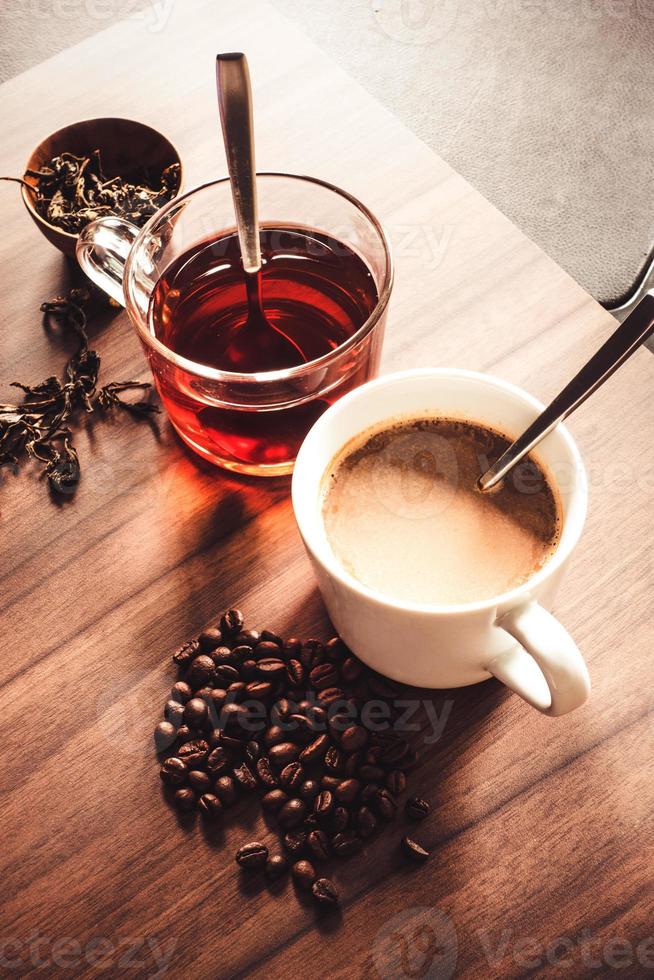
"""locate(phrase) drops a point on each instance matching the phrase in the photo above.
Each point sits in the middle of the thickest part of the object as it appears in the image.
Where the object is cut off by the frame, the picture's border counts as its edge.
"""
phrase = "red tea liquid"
(315, 289)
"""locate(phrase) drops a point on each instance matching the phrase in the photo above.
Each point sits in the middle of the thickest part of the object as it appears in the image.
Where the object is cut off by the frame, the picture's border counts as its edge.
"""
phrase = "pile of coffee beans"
(286, 719)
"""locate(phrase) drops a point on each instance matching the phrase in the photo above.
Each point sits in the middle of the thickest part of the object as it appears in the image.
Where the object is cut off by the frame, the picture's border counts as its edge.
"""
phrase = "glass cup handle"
(546, 668)
(102, 250)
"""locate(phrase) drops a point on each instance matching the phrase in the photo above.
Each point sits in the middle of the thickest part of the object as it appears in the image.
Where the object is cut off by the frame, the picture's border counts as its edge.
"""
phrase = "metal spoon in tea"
(274, 348)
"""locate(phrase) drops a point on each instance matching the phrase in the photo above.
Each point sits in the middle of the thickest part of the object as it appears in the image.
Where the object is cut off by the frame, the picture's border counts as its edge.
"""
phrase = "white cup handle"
(546, 669)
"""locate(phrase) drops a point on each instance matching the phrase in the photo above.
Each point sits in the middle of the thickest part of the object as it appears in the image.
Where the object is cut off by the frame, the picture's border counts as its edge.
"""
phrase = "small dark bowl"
(127, 149)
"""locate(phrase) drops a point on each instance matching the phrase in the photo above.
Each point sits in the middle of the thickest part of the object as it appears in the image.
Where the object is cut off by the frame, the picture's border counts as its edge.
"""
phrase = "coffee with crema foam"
(403, 514)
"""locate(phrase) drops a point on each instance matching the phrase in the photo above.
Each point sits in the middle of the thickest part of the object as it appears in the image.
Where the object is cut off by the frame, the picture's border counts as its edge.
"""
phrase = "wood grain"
(541, 829)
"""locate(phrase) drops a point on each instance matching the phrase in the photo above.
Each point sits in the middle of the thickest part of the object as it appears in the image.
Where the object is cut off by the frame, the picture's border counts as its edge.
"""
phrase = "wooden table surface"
(541, 829)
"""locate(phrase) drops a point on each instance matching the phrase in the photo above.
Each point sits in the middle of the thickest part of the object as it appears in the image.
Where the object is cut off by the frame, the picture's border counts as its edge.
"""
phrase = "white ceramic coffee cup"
(512, 636)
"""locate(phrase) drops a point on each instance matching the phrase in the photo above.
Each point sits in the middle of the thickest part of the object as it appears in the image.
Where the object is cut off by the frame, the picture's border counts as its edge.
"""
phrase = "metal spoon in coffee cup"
(633, 332)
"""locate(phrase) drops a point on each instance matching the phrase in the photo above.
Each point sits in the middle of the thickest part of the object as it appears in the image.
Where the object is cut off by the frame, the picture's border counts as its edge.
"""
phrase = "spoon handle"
(637, 327)
(235, 103)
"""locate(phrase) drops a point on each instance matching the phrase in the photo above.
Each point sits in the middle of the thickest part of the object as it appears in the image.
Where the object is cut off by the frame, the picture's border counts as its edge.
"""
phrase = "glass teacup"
(251, 422)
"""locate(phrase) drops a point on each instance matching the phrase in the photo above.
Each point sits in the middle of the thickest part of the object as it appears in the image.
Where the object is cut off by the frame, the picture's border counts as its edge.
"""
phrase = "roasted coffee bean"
(222, 656)
(292, 813)
(204, 693)
(236, 692)
(274, 800)
(352, 763)
(234, 720)
(274, 735)
(346, 844)
(267, 649)
(200, 672)
(231, 622)
(259, 690)
(325, 892)
(372, 774)
(351, 669)
(282, 753)
(275, 867)
(218, 761)
(240, 654)
(251, 856)
(304, 875)
(185, 654)
(336, 650)
(247, 638)
(340, 719)
(174, 712)
(210, 806)
(416, 808)
(265, 772)
(292, 775)
(315, 750)
(334, 759)
(195, 713)
(210, 638)
(384, 804)
(243, 776)
(292, 648)
(366, 822)
(269, 636)
(231, 744)
(301, 726)
(186, 734)
(194, 753)
(252, 752)
(271, 667)
(323, 803)
(226, 674)
(330, 782)
(185, 799)
(174, 772)
(248, 670)
(395, 782)
(309, 790)
(414, 851)
(225, 789)
(199, 782)
(181, 691)
(373, 755)
(311, 822)
(324, 675)
(295, 673)
(317, 717)
(318, 844)
(347, 791)
(311, 654)
(330, 695)
(393, 752)
(164, 735)
(295, 841)
(338, 819)
(281, 711)
(354, 738)
(215, 737)
(215, 699)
